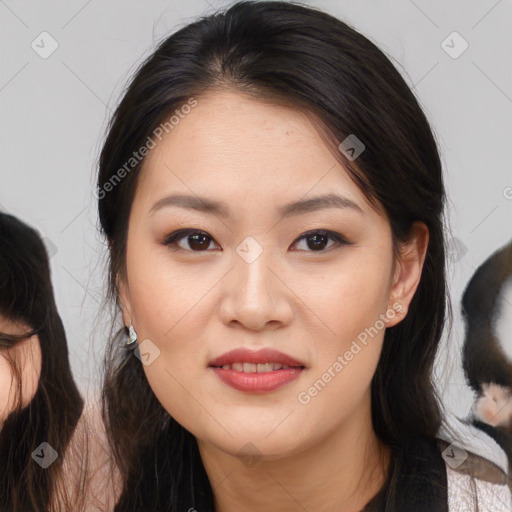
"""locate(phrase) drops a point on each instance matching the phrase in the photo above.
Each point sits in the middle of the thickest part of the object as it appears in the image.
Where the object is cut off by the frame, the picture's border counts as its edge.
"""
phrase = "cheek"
(162, 290)
(170, 305)
(176, 378)
(5, 387)
(349, 299)
(31, 372)
(31, 368)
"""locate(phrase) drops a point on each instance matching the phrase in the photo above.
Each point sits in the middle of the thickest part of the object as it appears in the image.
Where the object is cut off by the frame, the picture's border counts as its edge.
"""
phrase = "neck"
(341, 472)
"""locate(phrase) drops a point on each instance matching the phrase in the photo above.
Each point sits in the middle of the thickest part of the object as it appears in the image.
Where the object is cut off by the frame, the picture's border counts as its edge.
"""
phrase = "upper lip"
(264, 355)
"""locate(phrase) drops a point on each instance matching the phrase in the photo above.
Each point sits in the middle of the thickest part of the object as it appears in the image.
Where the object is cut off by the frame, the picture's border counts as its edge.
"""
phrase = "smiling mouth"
(257, 367)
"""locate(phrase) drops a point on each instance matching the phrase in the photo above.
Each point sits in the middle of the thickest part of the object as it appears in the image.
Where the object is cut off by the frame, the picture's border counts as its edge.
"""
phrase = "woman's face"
(254, 281)
(27, 355)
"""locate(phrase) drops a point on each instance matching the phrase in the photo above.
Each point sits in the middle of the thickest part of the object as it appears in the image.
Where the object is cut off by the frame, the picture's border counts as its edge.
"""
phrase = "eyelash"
(339, 239)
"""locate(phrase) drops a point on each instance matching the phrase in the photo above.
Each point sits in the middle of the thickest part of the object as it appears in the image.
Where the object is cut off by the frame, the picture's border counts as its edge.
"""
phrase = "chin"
(248, 440)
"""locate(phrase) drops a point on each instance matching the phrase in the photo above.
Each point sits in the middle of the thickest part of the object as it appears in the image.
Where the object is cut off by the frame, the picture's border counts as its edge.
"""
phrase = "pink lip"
(253, 381)
(264, 355)
(257, 382)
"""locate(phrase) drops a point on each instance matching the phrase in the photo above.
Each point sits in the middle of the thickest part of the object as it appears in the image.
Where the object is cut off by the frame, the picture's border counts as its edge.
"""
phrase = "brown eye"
(198, 241)
(317, 241)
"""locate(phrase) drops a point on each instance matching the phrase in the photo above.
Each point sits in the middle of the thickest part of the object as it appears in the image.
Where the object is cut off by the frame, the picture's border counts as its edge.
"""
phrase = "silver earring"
(132, 335)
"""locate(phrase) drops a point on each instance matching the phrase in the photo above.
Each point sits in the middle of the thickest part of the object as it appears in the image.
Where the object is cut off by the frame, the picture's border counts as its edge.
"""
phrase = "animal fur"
(487, 367)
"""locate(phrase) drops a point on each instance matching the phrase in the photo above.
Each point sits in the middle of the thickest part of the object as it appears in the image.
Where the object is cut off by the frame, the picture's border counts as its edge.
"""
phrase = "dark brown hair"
(26, 298)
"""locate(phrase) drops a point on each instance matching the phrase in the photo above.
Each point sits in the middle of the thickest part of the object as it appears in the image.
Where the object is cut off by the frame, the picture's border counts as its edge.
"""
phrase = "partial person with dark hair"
(40, 404)
(272, 197)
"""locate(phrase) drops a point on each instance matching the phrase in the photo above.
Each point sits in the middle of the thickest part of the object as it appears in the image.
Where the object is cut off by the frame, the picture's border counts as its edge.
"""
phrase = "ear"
(124, 298)
(408, 270)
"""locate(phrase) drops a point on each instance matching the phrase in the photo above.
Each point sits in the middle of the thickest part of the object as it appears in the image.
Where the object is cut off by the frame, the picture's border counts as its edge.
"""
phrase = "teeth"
(265, 367)
(250, 367)
(253, 367)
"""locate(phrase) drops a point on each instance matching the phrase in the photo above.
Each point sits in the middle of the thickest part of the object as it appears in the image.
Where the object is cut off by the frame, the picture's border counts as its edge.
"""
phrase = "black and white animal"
(487, 351)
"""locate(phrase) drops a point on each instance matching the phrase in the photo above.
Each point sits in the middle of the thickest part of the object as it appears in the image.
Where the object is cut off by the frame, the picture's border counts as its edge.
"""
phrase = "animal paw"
(494, 406)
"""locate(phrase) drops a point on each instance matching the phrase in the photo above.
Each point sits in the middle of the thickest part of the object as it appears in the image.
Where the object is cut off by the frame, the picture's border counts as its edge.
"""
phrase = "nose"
(255, 295)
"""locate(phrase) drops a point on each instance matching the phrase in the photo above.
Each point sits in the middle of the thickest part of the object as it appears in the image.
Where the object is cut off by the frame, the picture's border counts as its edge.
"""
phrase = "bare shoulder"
(90, 480)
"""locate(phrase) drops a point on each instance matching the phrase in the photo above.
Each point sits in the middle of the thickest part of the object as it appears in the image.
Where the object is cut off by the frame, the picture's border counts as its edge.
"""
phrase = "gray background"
(54, 112)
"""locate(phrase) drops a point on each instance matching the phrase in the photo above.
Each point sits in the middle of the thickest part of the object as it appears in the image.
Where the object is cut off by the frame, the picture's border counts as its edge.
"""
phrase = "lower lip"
(257, 382)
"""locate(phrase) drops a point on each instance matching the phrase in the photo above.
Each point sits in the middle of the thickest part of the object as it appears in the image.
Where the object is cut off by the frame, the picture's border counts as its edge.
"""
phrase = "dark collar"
(421, 483)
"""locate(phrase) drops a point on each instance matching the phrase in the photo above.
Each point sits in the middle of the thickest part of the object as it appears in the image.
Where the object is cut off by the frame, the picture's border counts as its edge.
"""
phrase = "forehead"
(230, 141)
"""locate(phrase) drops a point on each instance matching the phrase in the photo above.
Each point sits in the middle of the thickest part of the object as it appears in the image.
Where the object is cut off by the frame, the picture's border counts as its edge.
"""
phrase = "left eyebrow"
(319, 203)
(300, 207)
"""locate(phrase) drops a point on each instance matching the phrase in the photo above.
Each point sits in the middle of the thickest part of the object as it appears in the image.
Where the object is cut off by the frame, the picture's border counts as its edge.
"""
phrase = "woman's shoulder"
(477, 469)
(90, 477)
